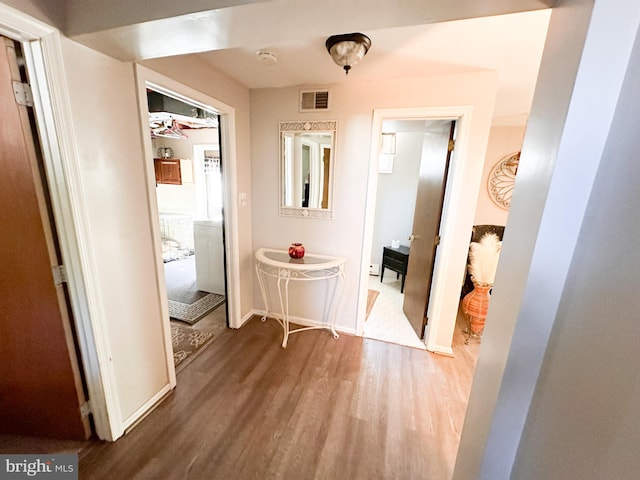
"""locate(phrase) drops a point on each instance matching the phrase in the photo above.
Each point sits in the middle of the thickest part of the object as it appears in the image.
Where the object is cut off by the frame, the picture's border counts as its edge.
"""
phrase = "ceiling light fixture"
(348, 49)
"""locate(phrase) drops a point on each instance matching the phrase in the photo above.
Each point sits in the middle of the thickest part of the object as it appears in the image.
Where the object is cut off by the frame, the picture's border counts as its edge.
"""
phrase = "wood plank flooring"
(350, 408)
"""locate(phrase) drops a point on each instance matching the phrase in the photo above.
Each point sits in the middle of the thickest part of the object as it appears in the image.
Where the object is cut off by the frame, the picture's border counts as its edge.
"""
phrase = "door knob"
(412, 237)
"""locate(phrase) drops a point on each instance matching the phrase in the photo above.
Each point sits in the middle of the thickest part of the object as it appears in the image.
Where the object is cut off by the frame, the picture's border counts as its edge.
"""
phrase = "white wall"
(122, 254)
(583, 420)
(177, 198)
(352, 106)
(217, 85)
(503, 141)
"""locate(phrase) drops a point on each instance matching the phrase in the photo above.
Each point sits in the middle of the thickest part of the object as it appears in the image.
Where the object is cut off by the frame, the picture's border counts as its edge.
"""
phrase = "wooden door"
(434, 166)
(40, 385)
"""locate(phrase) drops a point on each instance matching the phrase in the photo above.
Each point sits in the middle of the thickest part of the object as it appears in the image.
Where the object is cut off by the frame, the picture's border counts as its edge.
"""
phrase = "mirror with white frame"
(307, 155)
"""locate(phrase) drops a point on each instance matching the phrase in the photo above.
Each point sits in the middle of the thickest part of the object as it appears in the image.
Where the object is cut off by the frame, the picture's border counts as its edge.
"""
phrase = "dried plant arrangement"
(483, 259)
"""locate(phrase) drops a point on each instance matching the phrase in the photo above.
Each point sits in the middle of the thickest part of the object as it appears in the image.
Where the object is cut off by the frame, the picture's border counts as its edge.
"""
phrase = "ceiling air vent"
(314, 100)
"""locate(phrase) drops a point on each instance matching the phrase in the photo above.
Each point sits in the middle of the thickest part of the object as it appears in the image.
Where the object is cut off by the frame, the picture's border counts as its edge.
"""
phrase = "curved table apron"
(278, 264)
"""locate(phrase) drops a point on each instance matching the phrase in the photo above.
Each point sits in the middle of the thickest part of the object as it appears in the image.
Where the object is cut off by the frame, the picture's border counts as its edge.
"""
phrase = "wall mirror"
(307, 156)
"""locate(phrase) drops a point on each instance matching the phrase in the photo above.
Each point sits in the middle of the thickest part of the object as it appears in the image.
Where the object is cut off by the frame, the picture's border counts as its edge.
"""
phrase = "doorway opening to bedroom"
(188, 168)
(413, 174)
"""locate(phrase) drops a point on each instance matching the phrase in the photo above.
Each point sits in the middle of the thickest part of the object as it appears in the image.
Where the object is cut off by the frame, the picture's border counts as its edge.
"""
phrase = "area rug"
(192, 312)
(187, 342)
(371, 298)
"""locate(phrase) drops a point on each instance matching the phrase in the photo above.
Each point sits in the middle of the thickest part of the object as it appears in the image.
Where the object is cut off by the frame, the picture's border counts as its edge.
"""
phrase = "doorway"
(189, 178)
(410, 190)
(457, 219)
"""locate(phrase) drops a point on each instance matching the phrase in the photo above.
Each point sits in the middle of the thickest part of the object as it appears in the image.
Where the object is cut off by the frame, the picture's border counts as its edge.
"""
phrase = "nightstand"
(395, 259)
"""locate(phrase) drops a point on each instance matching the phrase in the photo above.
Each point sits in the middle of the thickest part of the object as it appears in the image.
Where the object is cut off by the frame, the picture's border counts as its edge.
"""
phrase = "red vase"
(296, 250)
(476, 304)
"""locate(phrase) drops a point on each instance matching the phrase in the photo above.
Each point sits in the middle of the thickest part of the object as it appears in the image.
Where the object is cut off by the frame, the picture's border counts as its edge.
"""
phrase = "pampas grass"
(483, 258)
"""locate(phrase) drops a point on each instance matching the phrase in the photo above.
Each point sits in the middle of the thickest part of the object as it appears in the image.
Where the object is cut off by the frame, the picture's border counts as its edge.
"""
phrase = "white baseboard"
(247, 317)
(441, 350)
(146, 409)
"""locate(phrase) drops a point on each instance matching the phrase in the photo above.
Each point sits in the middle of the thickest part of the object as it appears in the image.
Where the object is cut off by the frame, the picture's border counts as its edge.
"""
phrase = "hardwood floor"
(350, 408)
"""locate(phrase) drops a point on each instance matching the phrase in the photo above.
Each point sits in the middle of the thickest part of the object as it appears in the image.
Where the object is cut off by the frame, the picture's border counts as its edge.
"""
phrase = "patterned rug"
(187, 341)
(192, 312)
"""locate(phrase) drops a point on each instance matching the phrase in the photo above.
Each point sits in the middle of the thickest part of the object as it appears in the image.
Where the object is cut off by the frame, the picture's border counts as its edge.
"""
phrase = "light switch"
(242, 199)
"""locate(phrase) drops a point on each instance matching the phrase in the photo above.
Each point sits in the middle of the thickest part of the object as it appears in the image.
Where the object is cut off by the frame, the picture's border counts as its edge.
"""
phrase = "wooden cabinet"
(396, 259)
(168, 171)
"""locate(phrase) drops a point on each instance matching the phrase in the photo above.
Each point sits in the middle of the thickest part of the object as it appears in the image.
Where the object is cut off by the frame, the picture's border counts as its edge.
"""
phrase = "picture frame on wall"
(385, 163)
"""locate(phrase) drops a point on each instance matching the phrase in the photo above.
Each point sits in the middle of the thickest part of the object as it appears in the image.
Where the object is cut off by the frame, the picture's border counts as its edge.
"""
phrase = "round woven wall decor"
(502, 179)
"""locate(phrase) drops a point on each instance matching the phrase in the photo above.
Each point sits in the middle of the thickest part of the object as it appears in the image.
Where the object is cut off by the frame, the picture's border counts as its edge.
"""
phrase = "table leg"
(337, 294)
(263, 291)
(284, 307)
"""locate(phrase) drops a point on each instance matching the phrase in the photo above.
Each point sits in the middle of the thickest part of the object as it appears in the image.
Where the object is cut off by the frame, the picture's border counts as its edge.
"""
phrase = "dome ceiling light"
(348, 49)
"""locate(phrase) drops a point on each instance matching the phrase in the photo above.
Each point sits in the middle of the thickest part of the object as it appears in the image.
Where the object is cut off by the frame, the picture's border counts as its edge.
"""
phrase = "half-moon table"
(278, 264)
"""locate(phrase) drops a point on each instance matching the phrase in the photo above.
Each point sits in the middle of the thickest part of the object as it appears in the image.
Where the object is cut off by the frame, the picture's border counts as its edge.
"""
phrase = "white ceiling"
(510, 44)
(411, 38)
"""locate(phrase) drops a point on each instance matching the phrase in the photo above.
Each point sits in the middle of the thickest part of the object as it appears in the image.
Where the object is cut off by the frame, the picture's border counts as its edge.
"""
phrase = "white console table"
(278, 264)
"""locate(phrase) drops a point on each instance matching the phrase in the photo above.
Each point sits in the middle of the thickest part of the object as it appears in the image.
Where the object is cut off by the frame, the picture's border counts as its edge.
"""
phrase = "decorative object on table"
(165, 152)
(502, 179)
(296, 250)
(483, 261)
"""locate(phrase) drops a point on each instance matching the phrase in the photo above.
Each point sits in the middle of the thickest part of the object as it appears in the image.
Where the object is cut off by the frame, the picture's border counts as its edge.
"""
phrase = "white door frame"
(43, 53)
(146, 77)
(447, 281)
